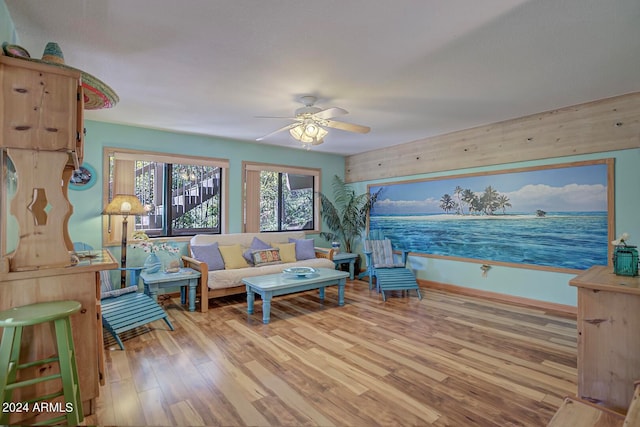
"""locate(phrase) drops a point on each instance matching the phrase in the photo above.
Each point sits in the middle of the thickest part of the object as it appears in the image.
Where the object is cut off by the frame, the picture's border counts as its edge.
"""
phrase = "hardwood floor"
(448, 360)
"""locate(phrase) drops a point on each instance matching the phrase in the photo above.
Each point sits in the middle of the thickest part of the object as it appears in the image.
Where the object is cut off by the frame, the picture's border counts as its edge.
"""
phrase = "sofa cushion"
(304, 248)
(256, 244)
(229, 278)
(266, 257)
(287, 251)
(209, 254)
(232, 256)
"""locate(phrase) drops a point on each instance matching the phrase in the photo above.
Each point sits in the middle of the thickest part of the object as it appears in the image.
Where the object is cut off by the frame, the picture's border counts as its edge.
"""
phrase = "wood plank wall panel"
(598, 126)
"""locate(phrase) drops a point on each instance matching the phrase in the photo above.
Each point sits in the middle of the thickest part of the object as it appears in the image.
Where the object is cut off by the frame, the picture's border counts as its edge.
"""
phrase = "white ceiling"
(409, 69)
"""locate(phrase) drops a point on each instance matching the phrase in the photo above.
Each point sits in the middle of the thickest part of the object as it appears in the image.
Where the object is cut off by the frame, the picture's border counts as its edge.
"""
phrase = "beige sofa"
(217, 283)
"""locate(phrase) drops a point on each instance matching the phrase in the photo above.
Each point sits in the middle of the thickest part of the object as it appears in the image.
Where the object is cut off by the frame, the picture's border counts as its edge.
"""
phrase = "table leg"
(153, 291)
(183, 296)
(250, 299)
(341, 284)
(321, 291)
(352, 264)
(193, 285)
(266, 307)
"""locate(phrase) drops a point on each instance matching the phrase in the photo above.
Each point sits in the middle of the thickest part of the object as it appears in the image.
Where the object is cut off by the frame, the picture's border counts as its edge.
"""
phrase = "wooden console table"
(81, 283)
(608, 336)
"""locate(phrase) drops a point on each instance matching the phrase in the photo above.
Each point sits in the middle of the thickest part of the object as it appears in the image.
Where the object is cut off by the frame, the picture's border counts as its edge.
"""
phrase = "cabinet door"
(40, 106)
(608, 346)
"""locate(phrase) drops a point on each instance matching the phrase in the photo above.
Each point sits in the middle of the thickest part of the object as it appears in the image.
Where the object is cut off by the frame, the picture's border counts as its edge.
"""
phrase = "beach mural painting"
(553, 217)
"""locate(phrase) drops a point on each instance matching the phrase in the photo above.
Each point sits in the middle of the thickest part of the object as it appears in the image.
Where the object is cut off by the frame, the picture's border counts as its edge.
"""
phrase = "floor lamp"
(125, 205)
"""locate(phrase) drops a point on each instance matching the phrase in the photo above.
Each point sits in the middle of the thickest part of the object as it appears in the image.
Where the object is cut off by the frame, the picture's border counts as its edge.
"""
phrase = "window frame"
(251, 193)
(124, 183)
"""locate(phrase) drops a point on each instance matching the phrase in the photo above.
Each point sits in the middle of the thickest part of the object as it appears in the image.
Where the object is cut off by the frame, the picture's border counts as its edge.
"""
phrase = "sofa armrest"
(324, 253)
(203, 285)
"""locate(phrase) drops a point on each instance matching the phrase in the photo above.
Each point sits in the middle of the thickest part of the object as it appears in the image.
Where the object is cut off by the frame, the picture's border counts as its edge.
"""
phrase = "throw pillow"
(304, 248)
(256, 244)
(287, 251)
(232, 256)
(209, 254)
(266, 257)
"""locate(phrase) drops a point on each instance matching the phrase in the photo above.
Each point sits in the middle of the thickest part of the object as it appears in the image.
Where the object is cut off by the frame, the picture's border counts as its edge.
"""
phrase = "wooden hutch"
(41, 143)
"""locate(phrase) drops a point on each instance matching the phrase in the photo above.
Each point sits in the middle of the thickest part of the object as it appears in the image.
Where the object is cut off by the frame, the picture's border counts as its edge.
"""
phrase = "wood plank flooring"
(448, 360)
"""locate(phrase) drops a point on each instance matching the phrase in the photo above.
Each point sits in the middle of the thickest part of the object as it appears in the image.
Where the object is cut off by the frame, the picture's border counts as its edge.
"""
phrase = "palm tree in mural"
(489, 200)
(469, 198)
(447, 203)
(503, 203)
(458, 193)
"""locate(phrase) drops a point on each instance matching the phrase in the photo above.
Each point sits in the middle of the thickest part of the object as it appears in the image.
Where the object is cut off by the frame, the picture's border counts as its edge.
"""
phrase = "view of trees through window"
(180, 199)
(286, 201)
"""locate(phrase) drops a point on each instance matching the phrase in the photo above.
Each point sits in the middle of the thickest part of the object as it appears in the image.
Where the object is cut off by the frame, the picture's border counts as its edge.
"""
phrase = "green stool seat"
(13, 321)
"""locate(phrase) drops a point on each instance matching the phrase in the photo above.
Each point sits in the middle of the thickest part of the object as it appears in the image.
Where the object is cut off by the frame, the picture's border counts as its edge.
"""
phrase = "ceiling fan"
(310, 123)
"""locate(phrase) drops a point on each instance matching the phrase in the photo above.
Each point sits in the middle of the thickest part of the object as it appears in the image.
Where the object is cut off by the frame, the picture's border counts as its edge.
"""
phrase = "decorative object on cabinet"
(625, 257)
(97, 94)
(125, 205)
(83, 178)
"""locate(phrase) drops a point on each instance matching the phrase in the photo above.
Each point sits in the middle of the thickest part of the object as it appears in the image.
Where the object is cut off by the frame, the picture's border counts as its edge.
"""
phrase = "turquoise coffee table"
(272, 285)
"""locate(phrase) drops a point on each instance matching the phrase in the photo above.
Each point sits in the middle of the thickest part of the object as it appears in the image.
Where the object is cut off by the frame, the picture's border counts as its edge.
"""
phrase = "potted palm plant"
(346, 215)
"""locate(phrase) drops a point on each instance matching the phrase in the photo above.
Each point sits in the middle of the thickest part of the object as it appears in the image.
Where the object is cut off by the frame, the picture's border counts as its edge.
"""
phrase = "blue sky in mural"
(566, 189)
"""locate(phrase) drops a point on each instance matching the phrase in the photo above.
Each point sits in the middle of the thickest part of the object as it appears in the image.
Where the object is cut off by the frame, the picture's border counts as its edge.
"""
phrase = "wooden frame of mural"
(553, 217)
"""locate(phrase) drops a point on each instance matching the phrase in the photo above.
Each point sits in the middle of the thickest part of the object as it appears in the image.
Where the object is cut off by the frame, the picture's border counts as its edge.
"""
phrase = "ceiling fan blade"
(282, 129)
(349, 127)
(330, 112)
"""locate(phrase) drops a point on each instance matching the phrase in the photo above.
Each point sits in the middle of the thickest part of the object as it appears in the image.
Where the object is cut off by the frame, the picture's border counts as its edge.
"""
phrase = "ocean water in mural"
(552, 216)
(575, 240)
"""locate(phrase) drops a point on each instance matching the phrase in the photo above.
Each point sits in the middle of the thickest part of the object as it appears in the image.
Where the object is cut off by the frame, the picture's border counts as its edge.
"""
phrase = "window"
(280, 198)
(182, 195)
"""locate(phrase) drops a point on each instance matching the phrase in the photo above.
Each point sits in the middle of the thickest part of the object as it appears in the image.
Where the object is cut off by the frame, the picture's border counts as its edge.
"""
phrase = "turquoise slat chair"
(389, 274)
(125, 308)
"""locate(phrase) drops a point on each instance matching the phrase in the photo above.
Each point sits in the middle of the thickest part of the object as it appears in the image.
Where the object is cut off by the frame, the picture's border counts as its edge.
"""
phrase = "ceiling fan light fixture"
(311, 129)
(310, 123)
(308, 134)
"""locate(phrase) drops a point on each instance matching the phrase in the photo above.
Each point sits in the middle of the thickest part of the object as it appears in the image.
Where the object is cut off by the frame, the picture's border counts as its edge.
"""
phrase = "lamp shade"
(124, 204)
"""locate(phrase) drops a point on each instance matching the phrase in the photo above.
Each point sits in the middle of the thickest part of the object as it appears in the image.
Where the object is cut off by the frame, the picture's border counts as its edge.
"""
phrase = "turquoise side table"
(344, 258)
(185, 278)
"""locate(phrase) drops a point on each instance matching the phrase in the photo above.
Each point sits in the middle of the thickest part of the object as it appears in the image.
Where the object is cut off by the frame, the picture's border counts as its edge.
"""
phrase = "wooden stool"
(13, 320)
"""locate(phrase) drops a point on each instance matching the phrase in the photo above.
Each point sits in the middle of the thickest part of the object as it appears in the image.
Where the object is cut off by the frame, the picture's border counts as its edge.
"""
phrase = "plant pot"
(356, 266)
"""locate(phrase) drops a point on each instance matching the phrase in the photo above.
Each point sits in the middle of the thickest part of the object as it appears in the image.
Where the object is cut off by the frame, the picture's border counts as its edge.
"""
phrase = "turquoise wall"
(527, 283)
(86, 221)
(7, 29)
